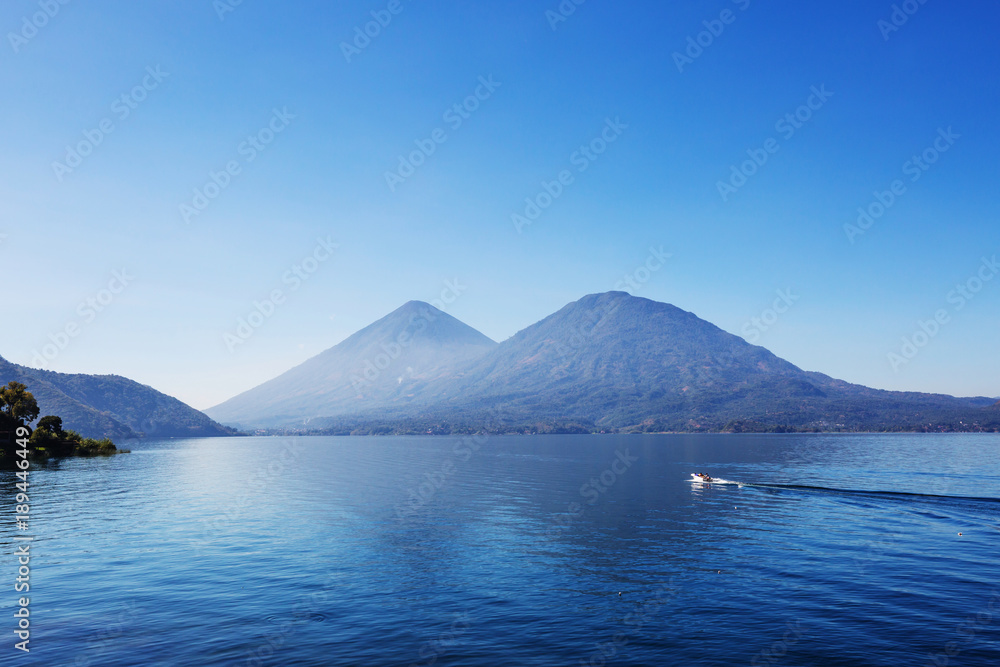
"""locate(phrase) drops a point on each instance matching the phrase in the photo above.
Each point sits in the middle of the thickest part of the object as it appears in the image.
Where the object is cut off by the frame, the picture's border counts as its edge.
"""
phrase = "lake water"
(546, 550)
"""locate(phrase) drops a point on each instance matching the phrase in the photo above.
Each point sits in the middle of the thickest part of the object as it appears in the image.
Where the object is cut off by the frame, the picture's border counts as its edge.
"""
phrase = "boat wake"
(808, 488)
(900, 495)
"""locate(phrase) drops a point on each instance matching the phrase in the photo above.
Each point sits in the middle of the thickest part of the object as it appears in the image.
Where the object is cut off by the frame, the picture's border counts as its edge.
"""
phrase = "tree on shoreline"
(18, 408)
(50, 423)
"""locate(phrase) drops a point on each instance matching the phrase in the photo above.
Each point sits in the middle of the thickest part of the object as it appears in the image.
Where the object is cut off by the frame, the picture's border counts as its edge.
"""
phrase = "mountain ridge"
(110, 406)
(402, 353)
(612, 361)
(626, 361)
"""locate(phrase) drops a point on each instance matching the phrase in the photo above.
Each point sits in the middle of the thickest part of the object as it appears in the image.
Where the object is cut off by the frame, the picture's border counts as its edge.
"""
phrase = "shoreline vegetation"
(458, 427)
(48, 439)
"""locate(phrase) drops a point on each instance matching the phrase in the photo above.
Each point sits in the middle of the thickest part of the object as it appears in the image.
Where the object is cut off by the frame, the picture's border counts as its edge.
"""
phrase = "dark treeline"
(48, 438)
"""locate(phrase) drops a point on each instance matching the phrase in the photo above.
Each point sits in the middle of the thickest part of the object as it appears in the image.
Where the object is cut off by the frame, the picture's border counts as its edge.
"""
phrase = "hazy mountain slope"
(51, 400)
(607, 361)
(617, 342)
(388, 364)
(109, 405)
(616, 360)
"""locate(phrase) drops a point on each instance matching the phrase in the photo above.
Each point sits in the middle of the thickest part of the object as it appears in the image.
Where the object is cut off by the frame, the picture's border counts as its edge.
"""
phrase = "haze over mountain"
(99, 406)
(408, 356)
(617, 361)
(606, 362)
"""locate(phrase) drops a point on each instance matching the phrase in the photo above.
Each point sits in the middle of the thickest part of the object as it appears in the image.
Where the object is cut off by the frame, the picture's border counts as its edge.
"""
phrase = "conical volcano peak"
(610, 360)
(414, 306)
(617, 298)
(419, 319)
(389, 362)
(626, 310)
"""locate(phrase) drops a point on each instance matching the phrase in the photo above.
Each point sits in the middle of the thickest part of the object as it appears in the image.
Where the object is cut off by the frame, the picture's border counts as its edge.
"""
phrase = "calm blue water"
(513, 551)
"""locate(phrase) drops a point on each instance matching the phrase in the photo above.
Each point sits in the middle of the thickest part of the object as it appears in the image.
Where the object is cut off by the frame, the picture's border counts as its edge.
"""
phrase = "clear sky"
(115, 113)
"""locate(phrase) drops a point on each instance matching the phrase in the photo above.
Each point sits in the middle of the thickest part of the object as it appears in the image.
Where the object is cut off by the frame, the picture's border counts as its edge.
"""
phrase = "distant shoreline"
(278, 433)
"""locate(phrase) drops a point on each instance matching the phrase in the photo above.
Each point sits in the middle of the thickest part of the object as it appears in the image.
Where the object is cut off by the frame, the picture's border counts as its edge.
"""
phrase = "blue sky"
(202, 85)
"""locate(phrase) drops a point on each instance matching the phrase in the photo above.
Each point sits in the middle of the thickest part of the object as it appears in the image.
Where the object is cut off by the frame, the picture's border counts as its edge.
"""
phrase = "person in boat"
(703, 476)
